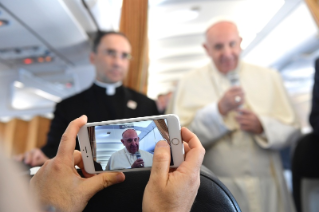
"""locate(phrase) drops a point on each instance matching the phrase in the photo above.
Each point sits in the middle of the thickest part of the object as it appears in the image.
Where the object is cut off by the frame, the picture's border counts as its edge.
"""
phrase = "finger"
(242, 116)
(238, 93)
(36, 159)
(244, 112)
(245, 127)
(28, 157)
(236, 89)
(244, 122)
(241, 119)
(78, 161)
(77, 157)
(67, 144)
(194, 157)
(186, 147)
(161, 161)
(98, 182)
(19, 157)
(190, 138)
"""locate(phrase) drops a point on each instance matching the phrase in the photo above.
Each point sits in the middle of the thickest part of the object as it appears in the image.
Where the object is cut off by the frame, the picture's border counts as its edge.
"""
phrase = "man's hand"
(35, 157)
(139, 163)
(58, 184)
(231, 100)
(249, 121)
(176, 190)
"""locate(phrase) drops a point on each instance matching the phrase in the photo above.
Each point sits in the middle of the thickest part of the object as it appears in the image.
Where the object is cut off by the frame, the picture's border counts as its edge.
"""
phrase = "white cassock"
(248, 164)
(122, 159)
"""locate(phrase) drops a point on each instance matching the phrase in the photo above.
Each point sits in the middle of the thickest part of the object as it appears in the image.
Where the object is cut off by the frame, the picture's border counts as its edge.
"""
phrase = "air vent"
(26, 55)
(4, 23)
(23, 52)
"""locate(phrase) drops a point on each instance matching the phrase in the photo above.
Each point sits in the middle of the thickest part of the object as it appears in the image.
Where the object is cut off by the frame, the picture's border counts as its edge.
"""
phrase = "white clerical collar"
(110, 87)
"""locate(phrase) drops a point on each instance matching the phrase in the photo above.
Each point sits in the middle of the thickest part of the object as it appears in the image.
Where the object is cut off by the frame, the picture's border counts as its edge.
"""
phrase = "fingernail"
(119, 177)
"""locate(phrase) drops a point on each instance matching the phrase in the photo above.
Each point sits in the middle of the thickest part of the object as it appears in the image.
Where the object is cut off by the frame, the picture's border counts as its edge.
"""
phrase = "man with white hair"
(131, 156)
(242, 115)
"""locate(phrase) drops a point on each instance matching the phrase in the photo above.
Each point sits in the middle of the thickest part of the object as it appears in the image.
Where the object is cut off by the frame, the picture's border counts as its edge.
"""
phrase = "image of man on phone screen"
(130, 156)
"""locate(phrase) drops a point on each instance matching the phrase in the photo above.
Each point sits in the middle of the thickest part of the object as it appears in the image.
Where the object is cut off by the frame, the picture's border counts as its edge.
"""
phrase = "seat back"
(310, 195)
(127, 196)
(305, 165)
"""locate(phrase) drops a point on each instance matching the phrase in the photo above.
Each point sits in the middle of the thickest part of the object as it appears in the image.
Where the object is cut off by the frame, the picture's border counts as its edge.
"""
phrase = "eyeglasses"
(130, 140)
(114, 54)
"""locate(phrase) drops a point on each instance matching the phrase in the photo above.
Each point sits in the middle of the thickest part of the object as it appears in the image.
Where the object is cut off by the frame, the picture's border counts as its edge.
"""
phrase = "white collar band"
(110, 87)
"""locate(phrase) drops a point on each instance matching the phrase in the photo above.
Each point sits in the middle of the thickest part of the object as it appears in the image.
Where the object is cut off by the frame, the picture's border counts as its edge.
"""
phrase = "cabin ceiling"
(34, 31)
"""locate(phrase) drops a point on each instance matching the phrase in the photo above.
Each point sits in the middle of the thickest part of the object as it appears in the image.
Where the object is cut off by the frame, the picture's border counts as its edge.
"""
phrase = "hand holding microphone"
(231, 100)
(139, 163)
(234, 97)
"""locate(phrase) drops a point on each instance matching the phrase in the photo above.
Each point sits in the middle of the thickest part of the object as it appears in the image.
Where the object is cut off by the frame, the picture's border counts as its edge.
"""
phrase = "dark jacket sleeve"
(57, 128)
(154, 109)
(314, 115)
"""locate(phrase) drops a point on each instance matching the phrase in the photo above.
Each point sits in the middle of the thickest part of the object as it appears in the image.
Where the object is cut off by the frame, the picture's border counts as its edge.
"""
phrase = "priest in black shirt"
(106, 99)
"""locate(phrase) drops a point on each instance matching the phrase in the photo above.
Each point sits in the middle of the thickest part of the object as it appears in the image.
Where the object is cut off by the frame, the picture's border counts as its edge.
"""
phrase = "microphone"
(138, 155)
(233, 78)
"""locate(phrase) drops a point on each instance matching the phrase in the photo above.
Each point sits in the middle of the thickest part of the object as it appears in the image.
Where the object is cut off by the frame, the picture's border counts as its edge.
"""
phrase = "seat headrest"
(212, 194)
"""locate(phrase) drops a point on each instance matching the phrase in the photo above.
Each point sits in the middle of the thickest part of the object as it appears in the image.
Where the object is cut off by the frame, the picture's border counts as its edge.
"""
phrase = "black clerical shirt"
(97, 106)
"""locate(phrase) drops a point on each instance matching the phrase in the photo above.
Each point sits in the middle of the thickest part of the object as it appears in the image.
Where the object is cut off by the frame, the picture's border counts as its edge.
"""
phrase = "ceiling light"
(40, 59)
(47, 95)
(18, 84)
(48, 58)
(27, 61)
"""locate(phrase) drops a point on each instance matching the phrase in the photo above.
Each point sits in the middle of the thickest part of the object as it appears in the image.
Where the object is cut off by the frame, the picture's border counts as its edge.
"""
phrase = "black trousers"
(305, 164)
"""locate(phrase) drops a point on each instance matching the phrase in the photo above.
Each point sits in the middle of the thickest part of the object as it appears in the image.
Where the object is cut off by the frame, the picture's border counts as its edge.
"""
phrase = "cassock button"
(131, 104)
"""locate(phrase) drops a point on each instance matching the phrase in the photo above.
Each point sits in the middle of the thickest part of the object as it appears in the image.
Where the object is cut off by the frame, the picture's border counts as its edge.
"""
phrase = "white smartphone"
(128, 144)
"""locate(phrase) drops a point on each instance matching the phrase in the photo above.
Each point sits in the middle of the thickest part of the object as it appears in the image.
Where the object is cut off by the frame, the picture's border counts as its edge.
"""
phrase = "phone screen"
(127, 145)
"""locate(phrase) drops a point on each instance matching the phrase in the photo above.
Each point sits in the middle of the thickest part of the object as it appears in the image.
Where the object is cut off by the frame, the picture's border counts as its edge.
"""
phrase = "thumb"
(98, 182)
(161, 161)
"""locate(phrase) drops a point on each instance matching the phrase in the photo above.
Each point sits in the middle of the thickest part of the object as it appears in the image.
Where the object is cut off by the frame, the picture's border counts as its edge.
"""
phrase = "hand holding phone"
(174, 189)
(58, 184)
(128, 144)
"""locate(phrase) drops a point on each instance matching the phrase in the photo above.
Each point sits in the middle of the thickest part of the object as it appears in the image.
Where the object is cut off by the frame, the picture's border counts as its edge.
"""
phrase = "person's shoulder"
(260, 69)
(198, 74)
(119, 152)
(145, 152)
(138, 95)
(76, 97)
(198, 71)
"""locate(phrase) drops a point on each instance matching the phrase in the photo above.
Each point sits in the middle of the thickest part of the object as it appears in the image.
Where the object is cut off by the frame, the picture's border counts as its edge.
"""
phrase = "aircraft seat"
(127, 196)
(305, 174)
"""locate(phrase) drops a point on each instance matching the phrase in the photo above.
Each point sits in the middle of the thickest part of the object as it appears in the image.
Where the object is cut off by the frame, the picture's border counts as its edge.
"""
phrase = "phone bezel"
(174, 129)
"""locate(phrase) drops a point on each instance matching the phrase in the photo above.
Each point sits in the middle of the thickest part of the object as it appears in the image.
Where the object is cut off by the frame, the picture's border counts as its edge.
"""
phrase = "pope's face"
(131, 141)
(223, 46)
(111, 59)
